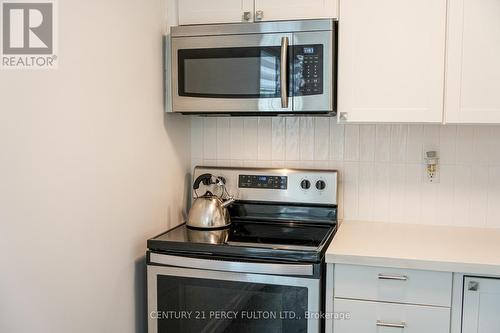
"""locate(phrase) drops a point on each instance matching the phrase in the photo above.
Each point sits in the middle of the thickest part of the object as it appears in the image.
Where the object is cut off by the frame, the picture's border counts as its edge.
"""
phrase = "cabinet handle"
(393, 277)
(391, 325)
(247, 16)
(259, 15)
(473, 286)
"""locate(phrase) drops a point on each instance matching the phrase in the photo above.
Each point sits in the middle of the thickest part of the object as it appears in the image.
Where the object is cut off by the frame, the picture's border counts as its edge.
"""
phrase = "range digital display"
(263, 182)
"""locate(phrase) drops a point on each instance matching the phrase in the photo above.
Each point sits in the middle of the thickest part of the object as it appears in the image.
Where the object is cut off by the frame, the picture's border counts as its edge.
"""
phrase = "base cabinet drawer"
(377, 317)
(393, 285)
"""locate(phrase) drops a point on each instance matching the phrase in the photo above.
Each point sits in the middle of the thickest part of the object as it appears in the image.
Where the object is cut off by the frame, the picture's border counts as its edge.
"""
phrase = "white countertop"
(438, 248)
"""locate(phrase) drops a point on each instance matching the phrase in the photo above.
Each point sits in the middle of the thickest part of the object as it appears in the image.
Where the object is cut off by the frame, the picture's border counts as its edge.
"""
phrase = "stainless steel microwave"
(268, 68)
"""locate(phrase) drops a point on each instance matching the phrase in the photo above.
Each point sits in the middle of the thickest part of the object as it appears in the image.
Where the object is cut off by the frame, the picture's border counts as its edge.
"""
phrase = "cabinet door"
(273, 10)
(481, 305)
(473, 66)
(391, 60)
(375, 317)
(214, 11)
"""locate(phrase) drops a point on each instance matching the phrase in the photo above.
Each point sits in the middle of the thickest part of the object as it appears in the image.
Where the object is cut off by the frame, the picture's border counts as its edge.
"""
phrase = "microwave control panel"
(308, 70)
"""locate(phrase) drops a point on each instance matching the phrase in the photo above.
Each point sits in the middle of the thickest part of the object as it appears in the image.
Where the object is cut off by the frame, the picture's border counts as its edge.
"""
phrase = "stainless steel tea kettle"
(209, 211)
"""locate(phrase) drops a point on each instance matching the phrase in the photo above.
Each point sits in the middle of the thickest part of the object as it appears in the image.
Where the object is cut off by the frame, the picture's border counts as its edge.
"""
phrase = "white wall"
(381, 166)
(89, 169)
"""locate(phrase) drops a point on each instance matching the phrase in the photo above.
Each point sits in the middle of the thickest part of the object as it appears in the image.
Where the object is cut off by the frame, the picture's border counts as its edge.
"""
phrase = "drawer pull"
(393, 277)
(391, 325)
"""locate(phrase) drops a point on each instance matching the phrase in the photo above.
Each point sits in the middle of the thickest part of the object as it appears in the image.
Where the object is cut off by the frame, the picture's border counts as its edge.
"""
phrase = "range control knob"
(305, 184)
(320, 185)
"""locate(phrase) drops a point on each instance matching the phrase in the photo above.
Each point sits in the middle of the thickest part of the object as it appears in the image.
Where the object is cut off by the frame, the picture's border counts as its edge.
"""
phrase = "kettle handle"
(206, 178)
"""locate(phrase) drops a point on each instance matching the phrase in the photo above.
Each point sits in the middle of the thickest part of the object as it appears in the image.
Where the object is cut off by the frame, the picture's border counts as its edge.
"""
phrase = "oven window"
(243, 72)
(187, 305)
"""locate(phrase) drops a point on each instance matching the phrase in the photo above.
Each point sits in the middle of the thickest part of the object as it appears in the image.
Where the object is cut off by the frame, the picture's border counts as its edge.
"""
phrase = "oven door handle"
(283, 72)
(233, 266)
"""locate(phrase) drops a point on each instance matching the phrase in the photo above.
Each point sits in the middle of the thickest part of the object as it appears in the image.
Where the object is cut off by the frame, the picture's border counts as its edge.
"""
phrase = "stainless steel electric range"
(264, 273)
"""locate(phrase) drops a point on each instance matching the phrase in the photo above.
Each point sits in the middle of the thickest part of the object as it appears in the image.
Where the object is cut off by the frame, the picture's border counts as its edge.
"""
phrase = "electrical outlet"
(432, 176)
(431, 166)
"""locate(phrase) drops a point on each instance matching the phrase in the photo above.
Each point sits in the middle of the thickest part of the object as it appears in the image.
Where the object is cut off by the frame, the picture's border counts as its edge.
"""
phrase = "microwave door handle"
(283, 72)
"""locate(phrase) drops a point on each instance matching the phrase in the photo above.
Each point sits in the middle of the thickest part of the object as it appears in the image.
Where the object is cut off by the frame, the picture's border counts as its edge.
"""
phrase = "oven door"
(230, 297)
(231, 74)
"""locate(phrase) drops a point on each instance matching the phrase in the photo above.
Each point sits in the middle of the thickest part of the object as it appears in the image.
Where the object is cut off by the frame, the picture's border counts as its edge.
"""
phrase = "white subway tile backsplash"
(197, 128)
(236, 138)
(321, 139)
(292, 136)
(263, 164)
(482, 146)
(367, 143)
(351, 143)
(446, 193)
(478, 196)
(250, 164)
(399, 135)
(325, 165)
(210, 163)
(351, 187)
(383, 143)
(223, 142)
(494, 143)
(222, 163)
(493, 218)
(381, 167)
(413, 193)
(397, 187)
(278, 139)
(237, 163)
(381, 192)
(448, 144)
(462, 195)
(278, 164)
(336, 140)
(465, 145)
(210, 139)
(306, 139)
(250, 135)
(365, 191)
(414, 153)
(431, 137)
(264, 139)
(429, 207)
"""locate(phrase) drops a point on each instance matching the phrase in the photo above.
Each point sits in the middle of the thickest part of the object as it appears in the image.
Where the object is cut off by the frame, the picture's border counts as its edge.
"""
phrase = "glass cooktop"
(273, 240)
(278, 235)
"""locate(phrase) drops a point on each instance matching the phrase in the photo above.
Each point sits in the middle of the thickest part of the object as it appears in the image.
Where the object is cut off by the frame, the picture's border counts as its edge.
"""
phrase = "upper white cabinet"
(481, 305)
(233, 11)
(214, 11)
(473, 62)
(391, 60)
(275, 10)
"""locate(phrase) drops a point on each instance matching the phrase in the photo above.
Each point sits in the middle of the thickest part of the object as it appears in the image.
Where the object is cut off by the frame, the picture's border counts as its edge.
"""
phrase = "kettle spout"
(228, 202)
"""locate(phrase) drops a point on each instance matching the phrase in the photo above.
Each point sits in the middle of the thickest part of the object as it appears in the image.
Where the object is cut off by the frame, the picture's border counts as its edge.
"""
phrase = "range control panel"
(276, 184)
(263, 181)
(308, 70)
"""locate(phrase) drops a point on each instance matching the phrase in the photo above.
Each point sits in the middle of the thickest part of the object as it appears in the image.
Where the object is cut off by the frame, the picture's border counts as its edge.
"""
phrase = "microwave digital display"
(308, 50)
